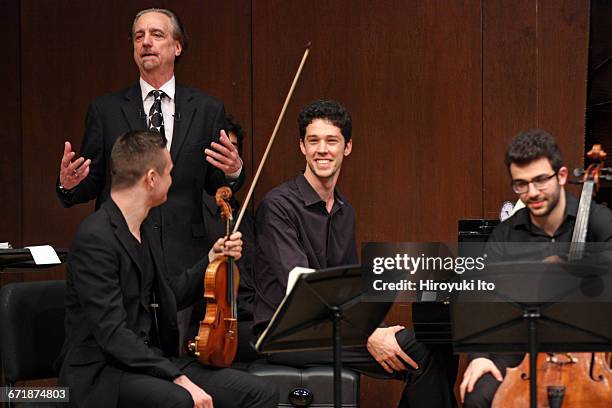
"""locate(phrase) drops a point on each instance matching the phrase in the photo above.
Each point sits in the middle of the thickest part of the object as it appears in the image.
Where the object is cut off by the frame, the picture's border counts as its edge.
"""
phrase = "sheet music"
(44, 255)
(294, 275)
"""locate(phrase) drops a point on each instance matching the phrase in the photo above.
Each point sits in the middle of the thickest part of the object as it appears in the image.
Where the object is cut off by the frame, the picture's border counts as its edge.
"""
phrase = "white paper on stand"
(44, 255)
(294, 275)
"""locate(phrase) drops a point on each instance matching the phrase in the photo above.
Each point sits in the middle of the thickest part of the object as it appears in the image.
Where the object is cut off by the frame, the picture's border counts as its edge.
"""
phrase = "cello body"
(584, 379)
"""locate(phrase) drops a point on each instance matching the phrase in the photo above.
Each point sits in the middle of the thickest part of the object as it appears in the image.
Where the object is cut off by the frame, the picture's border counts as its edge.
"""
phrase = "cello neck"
(582, 221)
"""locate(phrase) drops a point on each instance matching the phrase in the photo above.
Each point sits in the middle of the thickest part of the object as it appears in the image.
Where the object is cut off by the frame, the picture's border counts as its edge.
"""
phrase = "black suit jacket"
(180, 218)
(105, 303)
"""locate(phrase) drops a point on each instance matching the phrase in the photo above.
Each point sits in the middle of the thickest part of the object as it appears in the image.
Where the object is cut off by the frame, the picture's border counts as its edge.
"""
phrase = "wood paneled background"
(436, 90)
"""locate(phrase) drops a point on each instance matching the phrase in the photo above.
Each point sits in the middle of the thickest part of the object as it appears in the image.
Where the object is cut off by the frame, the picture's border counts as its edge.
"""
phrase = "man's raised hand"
(72, 172)
(224, 155)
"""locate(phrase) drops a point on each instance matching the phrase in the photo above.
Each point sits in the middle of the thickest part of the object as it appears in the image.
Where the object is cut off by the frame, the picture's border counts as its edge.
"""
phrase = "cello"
(566, 380)
(217, 341)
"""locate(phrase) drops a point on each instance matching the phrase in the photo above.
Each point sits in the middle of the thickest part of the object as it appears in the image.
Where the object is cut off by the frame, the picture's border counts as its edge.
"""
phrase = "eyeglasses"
(522, 186)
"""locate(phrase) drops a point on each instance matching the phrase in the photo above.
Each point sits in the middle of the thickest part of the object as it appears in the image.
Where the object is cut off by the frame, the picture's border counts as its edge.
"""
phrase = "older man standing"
(191, 122)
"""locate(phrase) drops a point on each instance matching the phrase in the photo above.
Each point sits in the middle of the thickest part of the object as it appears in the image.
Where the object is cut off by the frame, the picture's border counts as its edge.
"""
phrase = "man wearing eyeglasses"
(538, 177)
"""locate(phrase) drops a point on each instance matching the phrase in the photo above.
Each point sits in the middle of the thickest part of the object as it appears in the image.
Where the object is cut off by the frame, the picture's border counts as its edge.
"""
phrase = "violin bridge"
(232, 326)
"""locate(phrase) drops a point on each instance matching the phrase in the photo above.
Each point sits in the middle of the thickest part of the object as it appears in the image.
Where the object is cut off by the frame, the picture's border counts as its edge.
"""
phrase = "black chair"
(32, 322)
(309, 387)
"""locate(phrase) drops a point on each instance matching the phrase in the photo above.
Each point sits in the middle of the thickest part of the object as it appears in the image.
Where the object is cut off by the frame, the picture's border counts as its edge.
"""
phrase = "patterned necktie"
(156, 119)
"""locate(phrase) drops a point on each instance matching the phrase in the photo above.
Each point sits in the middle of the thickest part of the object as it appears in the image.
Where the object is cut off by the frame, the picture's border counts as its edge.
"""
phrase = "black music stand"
(322, 311)
(554, 324)
(22, 259)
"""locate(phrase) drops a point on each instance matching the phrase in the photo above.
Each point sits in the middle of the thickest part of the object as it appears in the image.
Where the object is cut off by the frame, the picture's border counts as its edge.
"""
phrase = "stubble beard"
(551, 203)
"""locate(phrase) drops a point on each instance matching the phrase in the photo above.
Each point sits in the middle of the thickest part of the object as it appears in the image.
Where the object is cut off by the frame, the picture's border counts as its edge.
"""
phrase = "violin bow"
(271, 141)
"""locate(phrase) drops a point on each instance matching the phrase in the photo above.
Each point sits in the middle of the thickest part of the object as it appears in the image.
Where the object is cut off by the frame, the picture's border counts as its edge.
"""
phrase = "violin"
(566, 380)
(217, 340)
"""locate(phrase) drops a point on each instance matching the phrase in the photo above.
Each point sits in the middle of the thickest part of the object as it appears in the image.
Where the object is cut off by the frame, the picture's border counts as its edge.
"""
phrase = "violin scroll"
(597, 153)
(222, 197)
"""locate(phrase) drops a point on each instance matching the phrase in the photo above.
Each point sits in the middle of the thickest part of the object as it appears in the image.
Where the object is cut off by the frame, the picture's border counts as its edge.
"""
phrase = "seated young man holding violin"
(307, 222)
(121, 346)
(538, 177)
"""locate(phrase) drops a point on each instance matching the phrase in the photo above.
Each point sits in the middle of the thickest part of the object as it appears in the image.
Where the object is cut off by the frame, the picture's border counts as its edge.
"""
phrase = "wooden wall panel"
(85, 54)
(219, 59)
(409, 72)
(10, 131)
(74, 51)
(510, 89)
(534, 75)
(563, 28)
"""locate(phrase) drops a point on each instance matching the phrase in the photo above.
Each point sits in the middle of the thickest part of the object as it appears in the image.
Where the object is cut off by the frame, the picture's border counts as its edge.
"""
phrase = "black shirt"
(294, 228)
(520, 229)
(147, 286)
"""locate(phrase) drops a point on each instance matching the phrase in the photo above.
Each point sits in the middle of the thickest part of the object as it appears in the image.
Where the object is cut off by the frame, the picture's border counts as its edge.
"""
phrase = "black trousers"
(431, 386)
(228, 388)
(246, 353)
(485, 388)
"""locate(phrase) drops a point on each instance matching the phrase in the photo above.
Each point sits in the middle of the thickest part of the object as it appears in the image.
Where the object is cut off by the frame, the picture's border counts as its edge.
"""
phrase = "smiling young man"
(307, 222)
(538, 177)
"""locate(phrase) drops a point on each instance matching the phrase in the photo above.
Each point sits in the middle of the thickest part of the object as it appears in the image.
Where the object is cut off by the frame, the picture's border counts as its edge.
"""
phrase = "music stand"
(22, 258)
(519, 326)
(324, 310)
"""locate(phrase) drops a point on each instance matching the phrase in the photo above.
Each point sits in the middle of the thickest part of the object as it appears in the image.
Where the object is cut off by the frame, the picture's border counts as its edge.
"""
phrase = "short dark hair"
(133, 154)
(533, 144)
(178, 31)
(328, 110)
(232, 126)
